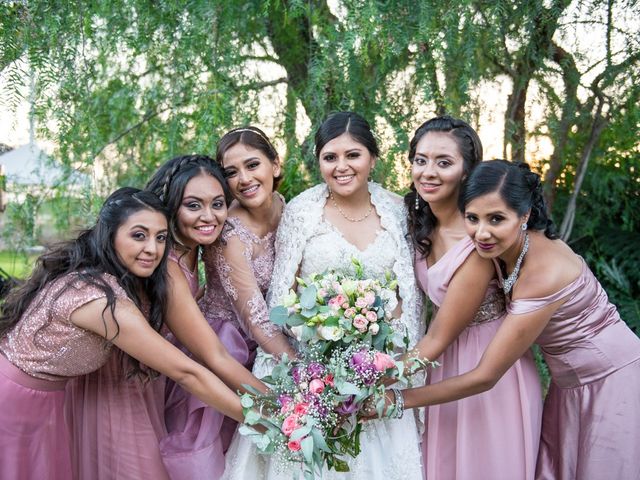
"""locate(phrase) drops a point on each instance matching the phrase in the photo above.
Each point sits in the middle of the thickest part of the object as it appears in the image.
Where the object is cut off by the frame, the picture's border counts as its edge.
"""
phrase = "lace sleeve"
(238, 278)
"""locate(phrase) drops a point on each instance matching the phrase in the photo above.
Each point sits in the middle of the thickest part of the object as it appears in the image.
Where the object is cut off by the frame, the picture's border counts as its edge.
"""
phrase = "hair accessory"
(345, 215)
(417, 201)
(524, 226)
(398, 407)
(260, 134)
(508, 283)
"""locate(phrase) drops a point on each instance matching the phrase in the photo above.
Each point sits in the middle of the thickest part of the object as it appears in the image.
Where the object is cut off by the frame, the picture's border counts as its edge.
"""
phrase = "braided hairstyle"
(252, 137)
(517, 185)
(422, 221)
(90, 256)
(170, 181)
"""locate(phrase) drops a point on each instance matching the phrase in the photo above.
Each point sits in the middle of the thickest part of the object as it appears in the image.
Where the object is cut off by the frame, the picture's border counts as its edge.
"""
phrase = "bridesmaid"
(84, 297)
(239, 266)
(194, 190)
(460, 440)
(591, 416)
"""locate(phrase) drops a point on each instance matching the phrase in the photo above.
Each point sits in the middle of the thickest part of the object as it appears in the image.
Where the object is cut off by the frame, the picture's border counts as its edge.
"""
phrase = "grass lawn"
(16, 264)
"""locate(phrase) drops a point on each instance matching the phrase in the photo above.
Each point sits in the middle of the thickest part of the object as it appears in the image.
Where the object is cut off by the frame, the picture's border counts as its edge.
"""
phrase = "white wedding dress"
(305, 244)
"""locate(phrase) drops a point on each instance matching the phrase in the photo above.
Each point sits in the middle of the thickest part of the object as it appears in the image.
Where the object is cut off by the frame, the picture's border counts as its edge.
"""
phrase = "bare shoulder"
(550, 265)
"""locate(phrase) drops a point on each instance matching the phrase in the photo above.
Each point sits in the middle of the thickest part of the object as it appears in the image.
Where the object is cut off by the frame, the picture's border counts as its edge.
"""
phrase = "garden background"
(116, 88)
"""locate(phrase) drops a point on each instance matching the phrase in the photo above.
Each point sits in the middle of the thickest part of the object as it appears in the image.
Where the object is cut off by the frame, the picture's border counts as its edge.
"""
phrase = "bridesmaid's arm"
(187, 323)
(465, 294)
(133, 335)
(514, 337)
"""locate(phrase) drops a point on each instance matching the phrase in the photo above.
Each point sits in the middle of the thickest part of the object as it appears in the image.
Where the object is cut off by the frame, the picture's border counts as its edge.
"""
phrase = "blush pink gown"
(493, 435)
(193, 448)
(591, 418)
(39, 355)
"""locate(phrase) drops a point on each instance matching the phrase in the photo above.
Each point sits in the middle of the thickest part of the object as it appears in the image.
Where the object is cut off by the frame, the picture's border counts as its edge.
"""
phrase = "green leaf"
(307, 449)
(279, 315)
(308, 297)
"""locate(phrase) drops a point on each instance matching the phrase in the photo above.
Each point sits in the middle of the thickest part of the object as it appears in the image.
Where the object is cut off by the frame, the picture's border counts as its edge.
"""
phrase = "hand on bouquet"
(391, 405)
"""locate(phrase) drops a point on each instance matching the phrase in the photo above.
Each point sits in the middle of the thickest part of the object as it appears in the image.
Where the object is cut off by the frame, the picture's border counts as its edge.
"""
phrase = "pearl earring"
(523, 227)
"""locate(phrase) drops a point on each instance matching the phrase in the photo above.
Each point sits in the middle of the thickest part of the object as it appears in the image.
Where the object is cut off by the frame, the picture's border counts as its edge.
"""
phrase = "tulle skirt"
(494, 435)
(34, 442)
(116, 424)
(199, 435)
(593, 431)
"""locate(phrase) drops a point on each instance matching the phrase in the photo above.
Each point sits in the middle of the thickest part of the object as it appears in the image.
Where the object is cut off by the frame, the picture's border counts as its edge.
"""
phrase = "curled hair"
(170, 181)
(252, 137)
(517, 185)
(90, 256)
(422, 221)
(355, 125)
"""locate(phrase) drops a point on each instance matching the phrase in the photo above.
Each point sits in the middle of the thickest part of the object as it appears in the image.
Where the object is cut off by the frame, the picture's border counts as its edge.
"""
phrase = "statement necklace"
(508, 282)
(354, 220)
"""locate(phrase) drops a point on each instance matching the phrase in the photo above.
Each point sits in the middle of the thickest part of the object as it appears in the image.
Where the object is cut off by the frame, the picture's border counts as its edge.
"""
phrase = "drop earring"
(417, 201)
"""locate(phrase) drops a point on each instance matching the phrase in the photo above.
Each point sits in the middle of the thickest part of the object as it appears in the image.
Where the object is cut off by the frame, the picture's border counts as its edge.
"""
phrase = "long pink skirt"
(34, 442)
(116, 424)
(493, 435)
(593, 431)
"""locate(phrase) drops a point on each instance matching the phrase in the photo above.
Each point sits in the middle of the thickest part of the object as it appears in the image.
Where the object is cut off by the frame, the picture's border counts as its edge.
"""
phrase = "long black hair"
(355, 125)
(90, 256)
(170, 180)
(422, 221)
(517, 185)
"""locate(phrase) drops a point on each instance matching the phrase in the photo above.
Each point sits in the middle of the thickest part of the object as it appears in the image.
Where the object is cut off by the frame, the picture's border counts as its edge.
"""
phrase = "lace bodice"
(238, 270)
(306, 243)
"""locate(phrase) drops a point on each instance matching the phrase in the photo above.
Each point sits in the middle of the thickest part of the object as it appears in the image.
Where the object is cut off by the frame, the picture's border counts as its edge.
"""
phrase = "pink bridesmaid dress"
(493, 435)
(193, 448)
(591, 418)
(39, 355)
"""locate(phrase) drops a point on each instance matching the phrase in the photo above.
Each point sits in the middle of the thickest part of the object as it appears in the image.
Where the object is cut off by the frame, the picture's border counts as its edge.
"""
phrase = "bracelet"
(399, 403)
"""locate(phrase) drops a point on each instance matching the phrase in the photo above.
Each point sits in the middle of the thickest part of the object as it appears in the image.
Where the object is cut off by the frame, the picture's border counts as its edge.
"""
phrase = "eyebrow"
(354, 149)
(146, 229)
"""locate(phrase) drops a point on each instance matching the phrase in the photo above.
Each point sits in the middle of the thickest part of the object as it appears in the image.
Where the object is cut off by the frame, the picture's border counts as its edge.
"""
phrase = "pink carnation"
(382, 361)
(316, 386)
(290, 424)
(360, 323)
(294, 445)
(328, 380)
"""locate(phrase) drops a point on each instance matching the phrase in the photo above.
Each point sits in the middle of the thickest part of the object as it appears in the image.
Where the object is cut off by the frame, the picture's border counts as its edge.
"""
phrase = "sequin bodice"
(45, 344)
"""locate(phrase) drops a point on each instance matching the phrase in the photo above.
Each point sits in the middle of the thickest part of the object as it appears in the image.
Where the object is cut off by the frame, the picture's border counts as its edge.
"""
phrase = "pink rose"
(333, 303)
(370, 297)
(350, 312)
(316, 386)
(290, 424)
(361, 302)
(382, 361)
(294, 445)
(372, 316)
(301, 408)
(328, 380)
(360, 322)
(340, 298)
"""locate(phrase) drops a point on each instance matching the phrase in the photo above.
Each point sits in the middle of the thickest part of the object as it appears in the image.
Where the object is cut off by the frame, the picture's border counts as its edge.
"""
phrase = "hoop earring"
(417, 201)
(523, 227)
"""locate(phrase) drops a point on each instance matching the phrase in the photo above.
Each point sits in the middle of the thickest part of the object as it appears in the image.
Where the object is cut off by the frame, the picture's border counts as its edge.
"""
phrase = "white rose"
(297, 331)
(330, 333)
(374, 328)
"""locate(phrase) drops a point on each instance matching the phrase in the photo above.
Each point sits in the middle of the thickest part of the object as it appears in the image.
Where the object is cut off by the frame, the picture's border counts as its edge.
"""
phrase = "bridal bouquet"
(337, 310)
(309, 415)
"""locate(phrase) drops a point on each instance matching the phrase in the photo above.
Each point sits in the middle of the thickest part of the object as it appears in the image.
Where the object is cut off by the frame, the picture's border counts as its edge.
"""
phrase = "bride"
(325, 227)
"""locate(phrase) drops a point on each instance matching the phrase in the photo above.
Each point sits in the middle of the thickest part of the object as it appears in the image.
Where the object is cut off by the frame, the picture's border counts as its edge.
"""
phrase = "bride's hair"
(338, 123)
(422, 221)
(517, 185)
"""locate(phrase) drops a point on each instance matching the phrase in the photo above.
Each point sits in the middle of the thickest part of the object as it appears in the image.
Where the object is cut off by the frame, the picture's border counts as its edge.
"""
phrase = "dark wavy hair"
(517, 185)
(170, 180)
(355, 125)
(252, 137)
(90, 256)
(422, 221)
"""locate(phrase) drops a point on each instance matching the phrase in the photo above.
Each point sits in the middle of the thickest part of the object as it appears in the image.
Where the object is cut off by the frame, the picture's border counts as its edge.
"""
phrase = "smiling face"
(437, 168)
(140, 242)
(494, 227)
(250, 175)
(345, 165)
(202, 211)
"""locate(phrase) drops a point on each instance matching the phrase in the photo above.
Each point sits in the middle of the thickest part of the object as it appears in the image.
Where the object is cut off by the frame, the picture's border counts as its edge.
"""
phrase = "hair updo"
(346, 122)
(517, 185)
